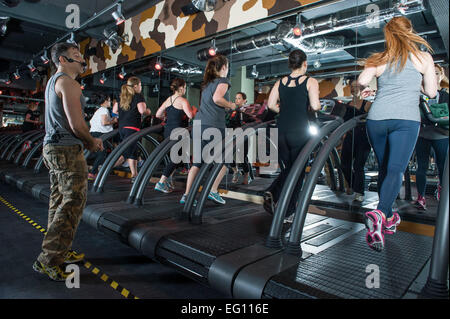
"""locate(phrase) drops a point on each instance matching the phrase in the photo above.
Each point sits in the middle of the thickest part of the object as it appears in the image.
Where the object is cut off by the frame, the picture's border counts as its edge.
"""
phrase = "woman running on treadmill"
(356, 146)
(132, 107)
(212, 115)
(175, 107)
(393, 121)
(296, 93)
(434, 137)
(101, 123)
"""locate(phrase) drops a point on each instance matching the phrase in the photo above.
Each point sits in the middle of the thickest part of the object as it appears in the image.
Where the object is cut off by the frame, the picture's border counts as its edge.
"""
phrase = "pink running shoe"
(390, 227)
(438, 192)
(421, 203)
(374, 225)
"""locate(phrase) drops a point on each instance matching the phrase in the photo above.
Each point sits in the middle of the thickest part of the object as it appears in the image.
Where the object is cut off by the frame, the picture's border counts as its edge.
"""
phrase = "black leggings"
(131, 151)
(290, 144)
(355, 150)
(171, 166)
(99, 156)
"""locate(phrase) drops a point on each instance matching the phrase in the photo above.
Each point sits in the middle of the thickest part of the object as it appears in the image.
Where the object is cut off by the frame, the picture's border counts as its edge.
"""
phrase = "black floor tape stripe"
(96, 271)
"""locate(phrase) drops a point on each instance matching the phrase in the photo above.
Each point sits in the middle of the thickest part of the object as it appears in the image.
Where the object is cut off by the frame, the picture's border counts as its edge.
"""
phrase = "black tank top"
(174, 116)
(294, 103)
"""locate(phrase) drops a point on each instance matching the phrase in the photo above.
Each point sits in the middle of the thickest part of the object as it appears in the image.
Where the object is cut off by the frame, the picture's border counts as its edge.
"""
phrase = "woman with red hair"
(393, 122)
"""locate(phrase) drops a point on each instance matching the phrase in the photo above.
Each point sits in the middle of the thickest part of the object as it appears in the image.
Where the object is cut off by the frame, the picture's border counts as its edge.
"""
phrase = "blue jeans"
(423, 150)
(393, 142)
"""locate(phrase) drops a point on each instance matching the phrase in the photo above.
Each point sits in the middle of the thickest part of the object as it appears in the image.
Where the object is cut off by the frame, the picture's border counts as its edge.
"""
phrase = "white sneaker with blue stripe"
(216, 198)
(162, 187)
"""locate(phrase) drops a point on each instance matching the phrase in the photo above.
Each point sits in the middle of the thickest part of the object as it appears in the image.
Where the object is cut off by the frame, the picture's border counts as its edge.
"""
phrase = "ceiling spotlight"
(72, 38)
(158, 64)
(45, 58)
(254, 73)
(297, 30)
(83, 85)
(102, 79)
(122, 73)
(113, 40)
(317, 64)
(117, 15)
(212, 51)
(16, 74)
(31, 66)
(156, 89)
(1, 92)
(8, 82)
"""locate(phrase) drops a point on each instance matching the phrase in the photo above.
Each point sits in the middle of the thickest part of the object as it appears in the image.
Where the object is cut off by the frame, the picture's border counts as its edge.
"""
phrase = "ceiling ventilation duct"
(312, 39)
(202, 5)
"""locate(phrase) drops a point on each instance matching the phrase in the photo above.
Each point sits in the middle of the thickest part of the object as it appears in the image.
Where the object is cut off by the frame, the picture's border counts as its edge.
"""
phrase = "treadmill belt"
(325, 238)
(340, 271)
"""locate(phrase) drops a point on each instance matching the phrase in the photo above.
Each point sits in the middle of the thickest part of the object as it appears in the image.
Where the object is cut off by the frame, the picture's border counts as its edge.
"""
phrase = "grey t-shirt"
(57, 128)
(397, 96)
(210, 113)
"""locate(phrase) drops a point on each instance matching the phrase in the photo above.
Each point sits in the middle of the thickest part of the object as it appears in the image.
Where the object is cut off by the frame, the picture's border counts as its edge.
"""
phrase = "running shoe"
(162, 187)
(73, 257)
(183, 200)
(359, 197)
(184, 171)
(269, 204)
(91, 176)
(170, 183)
(437, 193)
(390, 226)
(55, 273)
(133, 179)
(421, 203)
(374, 225)
(216, 198)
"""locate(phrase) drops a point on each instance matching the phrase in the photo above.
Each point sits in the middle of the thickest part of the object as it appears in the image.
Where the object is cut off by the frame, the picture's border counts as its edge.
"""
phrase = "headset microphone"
(83, 64)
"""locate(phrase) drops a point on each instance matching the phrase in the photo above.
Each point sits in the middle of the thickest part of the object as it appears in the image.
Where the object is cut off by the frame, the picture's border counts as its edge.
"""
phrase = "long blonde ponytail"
(127, 92)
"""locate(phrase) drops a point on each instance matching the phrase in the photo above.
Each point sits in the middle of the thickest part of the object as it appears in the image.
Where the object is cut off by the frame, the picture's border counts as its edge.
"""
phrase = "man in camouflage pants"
(66, 134)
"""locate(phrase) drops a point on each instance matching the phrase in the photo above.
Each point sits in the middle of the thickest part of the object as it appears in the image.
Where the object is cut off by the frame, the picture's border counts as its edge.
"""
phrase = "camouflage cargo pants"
(68, 186)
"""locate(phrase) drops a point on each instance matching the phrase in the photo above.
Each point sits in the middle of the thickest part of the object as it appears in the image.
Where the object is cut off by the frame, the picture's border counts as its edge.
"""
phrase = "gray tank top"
(398, 95)
(57, 128)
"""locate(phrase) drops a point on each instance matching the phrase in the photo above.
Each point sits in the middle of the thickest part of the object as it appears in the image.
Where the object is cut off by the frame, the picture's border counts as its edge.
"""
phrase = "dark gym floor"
(125, 268)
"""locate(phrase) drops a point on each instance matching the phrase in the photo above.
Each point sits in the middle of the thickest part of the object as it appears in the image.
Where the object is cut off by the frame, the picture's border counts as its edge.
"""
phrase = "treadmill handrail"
(31, 153)
(274, 238)
(7, 140)
(32, 140)
(13, 150)
(17, 139)
(159, 153)
(111, 160)
(436, 286)
(293, 246)
(104, 138)
(187, 209)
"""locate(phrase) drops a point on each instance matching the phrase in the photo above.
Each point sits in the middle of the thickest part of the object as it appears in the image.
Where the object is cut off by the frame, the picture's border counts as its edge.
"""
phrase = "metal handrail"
(436, 286)
(274, 238)
(117, 152)
(32, 140)
(293, 246)
(187, 210)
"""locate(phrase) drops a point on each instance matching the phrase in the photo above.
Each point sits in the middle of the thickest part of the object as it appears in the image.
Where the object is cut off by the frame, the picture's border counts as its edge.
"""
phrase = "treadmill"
(335, 264)
(39, 187)
(192, 239)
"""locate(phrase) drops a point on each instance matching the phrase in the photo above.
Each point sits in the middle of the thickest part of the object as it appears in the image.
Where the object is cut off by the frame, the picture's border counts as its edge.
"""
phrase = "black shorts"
(205, 142)
(130, 152)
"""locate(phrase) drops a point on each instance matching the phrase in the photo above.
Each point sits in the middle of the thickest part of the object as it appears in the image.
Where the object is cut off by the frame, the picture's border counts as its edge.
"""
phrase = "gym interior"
(141, 243)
